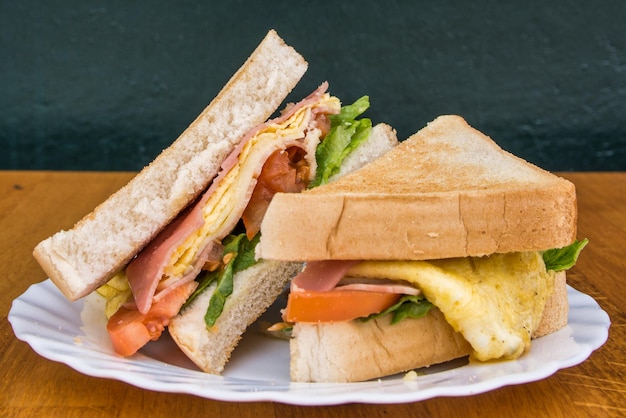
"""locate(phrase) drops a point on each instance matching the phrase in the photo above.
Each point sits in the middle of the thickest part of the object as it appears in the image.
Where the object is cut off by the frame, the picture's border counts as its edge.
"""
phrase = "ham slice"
(399, 289)
(211, 252)
(326, 275)
(321, 276)
(145, 271)
(289, 111)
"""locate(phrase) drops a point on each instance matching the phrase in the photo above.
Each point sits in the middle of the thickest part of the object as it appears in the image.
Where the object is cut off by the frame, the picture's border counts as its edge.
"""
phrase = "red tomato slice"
(129, 330)
(283, 171)
(336, 306)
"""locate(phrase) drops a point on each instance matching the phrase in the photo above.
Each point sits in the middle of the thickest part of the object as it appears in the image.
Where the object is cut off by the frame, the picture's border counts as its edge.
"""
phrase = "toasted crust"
(356, 351)
(556, 310)
(447, 191)
(104, 241)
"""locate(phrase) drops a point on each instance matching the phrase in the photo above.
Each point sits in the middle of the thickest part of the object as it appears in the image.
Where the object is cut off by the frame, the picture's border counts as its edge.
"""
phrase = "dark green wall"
(106, 85)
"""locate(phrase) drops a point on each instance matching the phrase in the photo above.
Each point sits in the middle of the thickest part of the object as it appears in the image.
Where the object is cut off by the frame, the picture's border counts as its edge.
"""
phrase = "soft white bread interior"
(357, 351)
(86, 256)
(382, 139)
(447, 191)
(255, 288)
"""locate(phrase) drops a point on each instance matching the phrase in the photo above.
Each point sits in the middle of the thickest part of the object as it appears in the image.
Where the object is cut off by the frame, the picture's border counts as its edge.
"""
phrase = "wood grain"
(34, 205)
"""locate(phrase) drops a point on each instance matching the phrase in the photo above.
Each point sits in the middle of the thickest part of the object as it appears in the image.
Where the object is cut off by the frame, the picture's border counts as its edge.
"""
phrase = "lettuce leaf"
(408, 306)
(204, 279)
(241, 256)
(564, 258)
(346, 134)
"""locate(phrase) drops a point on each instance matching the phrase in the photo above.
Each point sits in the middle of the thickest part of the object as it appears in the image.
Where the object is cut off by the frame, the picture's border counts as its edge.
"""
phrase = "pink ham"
(231, 160)
(399, 289)
(326, 275)
(211, 252)
(150, 262)
(145, 271)
(321, 276)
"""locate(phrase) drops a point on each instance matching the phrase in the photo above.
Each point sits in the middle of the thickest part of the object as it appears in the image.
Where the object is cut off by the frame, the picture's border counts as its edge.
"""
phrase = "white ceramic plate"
(74, 334)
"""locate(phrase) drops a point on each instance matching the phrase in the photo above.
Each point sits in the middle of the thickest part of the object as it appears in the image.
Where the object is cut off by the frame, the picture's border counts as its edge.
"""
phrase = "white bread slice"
(255, 288)
(447, 191)
(85, 257)
(356, 351)
(382, 139)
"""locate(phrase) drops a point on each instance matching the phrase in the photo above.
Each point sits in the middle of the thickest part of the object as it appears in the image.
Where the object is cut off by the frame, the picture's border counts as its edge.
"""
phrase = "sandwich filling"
(277, 156)
(495, 302)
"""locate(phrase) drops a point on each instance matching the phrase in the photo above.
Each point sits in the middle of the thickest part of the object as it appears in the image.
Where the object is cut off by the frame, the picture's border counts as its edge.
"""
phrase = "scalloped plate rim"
(586, 331)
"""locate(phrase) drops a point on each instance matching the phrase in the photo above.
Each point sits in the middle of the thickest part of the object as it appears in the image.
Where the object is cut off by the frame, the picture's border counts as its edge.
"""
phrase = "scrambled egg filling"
(219, 209)
(116, 292)
(495, 302)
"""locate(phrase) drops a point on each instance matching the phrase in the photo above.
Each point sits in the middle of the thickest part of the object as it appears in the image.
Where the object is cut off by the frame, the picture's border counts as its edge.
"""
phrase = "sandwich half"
(446, 246)
(190, 219)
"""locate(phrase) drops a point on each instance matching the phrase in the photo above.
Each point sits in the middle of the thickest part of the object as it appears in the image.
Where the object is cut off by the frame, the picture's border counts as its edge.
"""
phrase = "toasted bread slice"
(103, 242)
(447, 191)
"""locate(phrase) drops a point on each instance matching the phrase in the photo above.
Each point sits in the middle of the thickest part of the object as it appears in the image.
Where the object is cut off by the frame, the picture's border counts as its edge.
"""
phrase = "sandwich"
(445, 247)
(180, 236)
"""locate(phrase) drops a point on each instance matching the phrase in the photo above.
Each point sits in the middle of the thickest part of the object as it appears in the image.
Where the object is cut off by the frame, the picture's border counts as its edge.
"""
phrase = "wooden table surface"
(33, 205)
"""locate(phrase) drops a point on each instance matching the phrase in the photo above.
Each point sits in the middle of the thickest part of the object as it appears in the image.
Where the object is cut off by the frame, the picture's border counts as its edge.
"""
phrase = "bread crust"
(448, 191)
(556, 310)
(86, 256)
(356, 351)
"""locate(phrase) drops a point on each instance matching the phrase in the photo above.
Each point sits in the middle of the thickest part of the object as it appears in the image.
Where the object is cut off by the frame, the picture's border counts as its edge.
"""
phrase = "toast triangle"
(84, 257)
(447, 191)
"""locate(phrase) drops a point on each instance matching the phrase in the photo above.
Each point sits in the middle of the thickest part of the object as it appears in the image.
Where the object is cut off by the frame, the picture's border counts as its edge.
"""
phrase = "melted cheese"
(220, 209)
(116, 292)
(495, 302)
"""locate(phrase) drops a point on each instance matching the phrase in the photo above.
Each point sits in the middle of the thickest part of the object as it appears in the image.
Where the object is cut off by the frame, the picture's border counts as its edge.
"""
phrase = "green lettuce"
(345, 135)
(204, 279)
(241, 257)
(242, 251)
(408, 306)
(563, 258)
